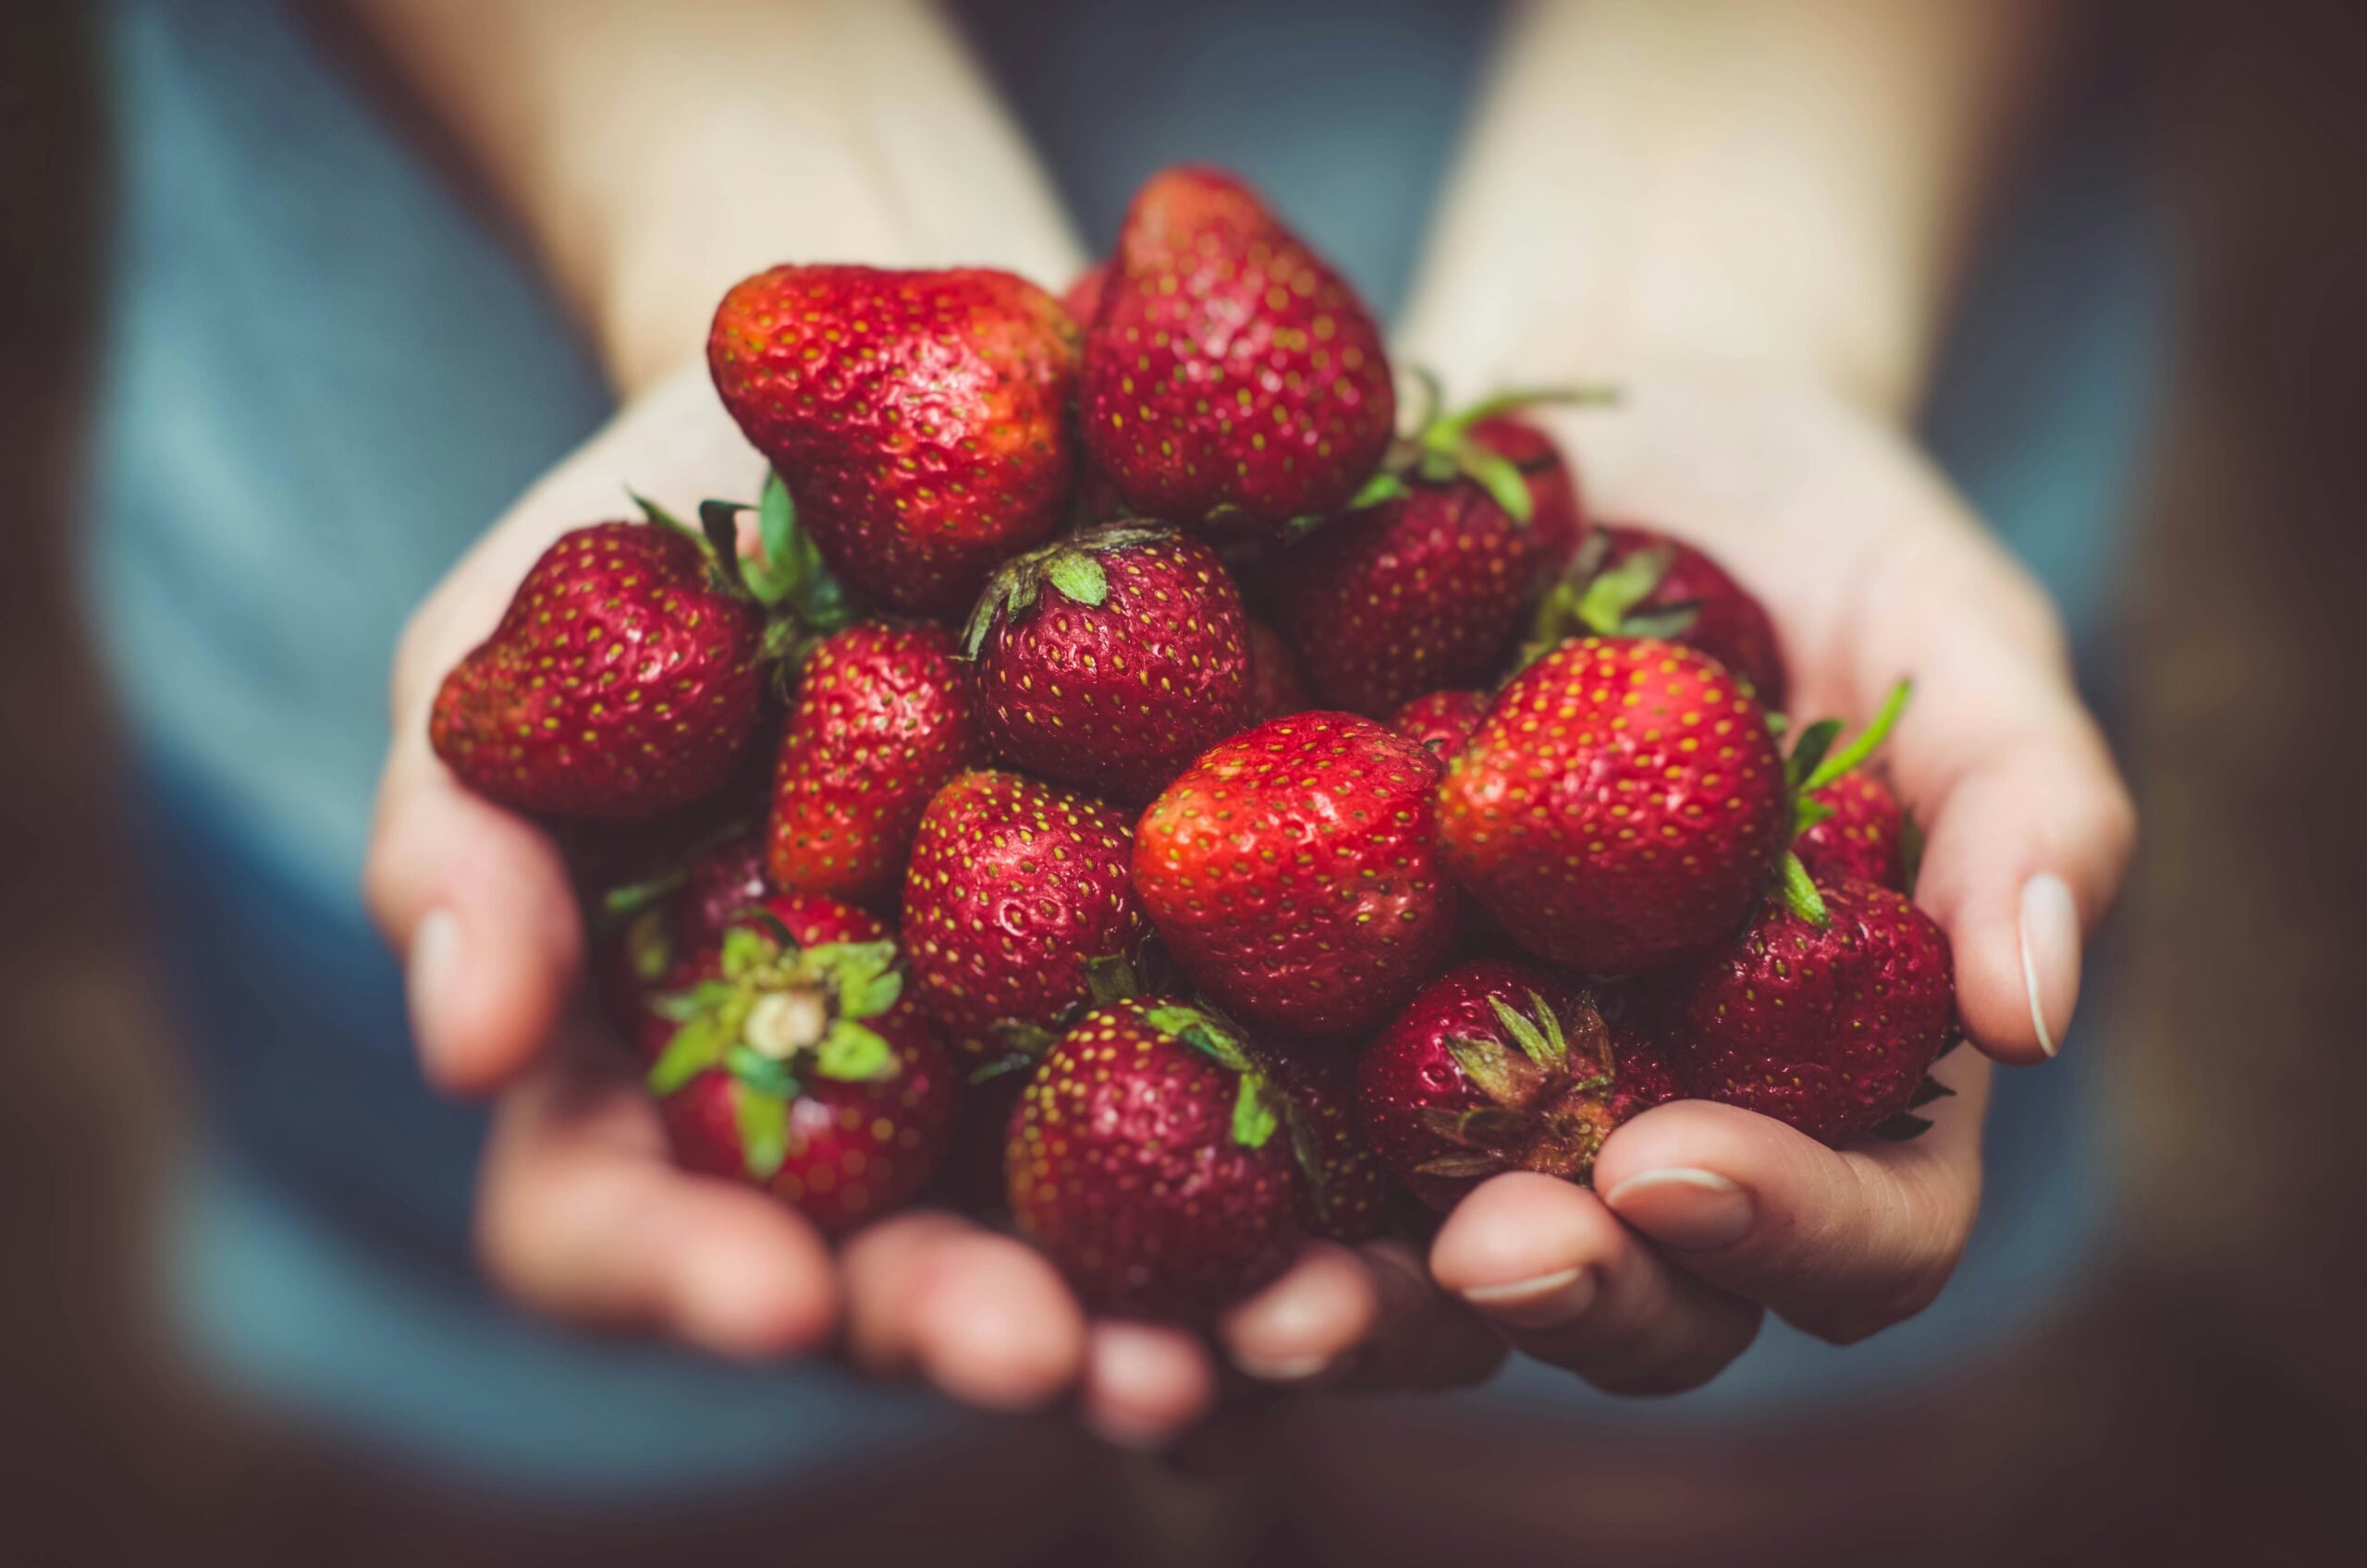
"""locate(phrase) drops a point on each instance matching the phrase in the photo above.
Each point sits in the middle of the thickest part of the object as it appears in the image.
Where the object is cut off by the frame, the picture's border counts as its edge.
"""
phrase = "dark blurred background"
(2204, 1404)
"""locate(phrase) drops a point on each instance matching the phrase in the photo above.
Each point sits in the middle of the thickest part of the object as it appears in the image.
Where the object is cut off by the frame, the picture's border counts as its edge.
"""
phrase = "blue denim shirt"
(326, 375)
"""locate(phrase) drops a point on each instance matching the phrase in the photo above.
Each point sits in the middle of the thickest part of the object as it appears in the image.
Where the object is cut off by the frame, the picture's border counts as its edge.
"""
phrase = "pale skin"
(1743, 213)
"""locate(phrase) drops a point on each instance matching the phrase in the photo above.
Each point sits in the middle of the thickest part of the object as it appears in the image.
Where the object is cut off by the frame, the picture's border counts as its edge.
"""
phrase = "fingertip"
(1301, 1324)
(995, 1325)
(750, 1279)
(1145, 1383)
(1523, 1249)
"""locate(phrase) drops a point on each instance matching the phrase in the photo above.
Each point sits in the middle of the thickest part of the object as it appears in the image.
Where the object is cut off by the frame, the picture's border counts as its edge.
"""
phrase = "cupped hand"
(581, 1213)
(1703, 1216)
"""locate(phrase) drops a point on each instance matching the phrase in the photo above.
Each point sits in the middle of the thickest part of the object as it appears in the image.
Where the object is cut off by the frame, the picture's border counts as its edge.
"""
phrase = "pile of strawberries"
(1128, 775)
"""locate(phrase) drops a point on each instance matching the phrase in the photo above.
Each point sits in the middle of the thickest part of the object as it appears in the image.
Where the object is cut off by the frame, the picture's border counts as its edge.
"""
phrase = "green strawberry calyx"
(1813, 764)
(1442, 446)
(1548, 1089)
(1596, 597)
(1070, 566)
(785, 576)
(1258, 1109)
(775, 1016)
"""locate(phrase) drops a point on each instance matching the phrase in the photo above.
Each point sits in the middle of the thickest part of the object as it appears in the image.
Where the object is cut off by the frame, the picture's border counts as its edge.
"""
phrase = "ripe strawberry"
(884, 716)
(1417, 592)
(1016, 901)
(623, 680)
(1442, 723)
(1232, 381)
(1081, 298)
(1111, 659)
(920, 418)
(1495, 1067)
(1276, 686)
(1830, 1028)
(1343, 1193)
(1149, 1160)
(1635, 583)
(1621, 807)
(799, 1065)
(646, 928)
(1557, 516)
(1292, 874)
(1865, 839)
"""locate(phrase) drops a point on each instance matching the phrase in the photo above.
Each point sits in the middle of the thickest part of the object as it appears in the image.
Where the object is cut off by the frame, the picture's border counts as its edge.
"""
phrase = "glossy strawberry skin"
(884, 716)
(1276, 685)
(1407, 1072)
(1292, 874)
(1122, 1164)
(1014, 888)
(1864, 839)
(920, 418)
(619, 684)
(1231, 380)
(1729, 623)
(1117, 697)
(1427, 591)
(1830, 1030)
(1620, 808)
(1441, 722)
(1557, 514)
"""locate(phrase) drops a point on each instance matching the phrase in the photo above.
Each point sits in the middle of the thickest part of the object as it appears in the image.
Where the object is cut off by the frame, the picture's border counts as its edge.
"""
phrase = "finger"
(983, 1317)
(582, 1216)
(1368, 1312)
(1145, 1383)
(2029, 826)
(1838, 1243)
(1426, 1340)
(1574, 1288)
(476, 901)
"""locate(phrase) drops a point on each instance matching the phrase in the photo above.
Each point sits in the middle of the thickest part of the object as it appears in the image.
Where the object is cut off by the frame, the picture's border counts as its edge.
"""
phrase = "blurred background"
(2202, 1397)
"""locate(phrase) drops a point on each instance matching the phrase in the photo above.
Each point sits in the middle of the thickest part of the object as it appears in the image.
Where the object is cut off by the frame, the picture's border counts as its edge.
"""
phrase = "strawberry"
(1016, 905)
(884, 716)
(1081, 298)
(1422, 591)
(1276, 686)
(1556, 514)
(797, 1064)
(1497, 1066)
(1232, 382)
(1828, 1027)
(1343, 1191)
(1292, 874)
(1636, 583)
(1621, 807)
(647, 928)
(623, 680)
(1867, 837)
(919, 418)
(1149, 1160)
(1442, 723)
(1111, 659)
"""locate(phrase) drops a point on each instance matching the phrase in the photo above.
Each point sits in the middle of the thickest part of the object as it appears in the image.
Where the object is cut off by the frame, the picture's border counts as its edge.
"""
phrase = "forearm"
(655, 153)
(1772, 188)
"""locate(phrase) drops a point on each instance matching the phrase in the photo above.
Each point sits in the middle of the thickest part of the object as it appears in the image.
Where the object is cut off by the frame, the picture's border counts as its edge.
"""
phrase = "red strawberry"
(1149, 1160)
(651, 925)
(1292, 874)
(884, 716)
(1442, 723)
(1111, 659)
(1621, 807)
(1556, 514)
(1016, 901)
(1231, 380)
(1865, 839)
(1830, 1028)
(1400, 598)
(1635, 583)
(1498, 1067)
(623, 680)
(1343, 1193)
(919, 418)
(1276, 687)
(799, 1067)
(1081, 298)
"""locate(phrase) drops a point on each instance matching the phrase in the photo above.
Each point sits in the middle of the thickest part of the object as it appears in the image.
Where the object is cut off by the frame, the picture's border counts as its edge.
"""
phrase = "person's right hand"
(581, 1215)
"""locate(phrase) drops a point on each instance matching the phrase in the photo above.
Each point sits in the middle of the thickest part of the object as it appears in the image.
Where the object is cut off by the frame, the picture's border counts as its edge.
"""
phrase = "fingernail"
(2049, 932)
(1543, 1300)
(429, 971)
(1282, 1368)
(1689, 1210)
